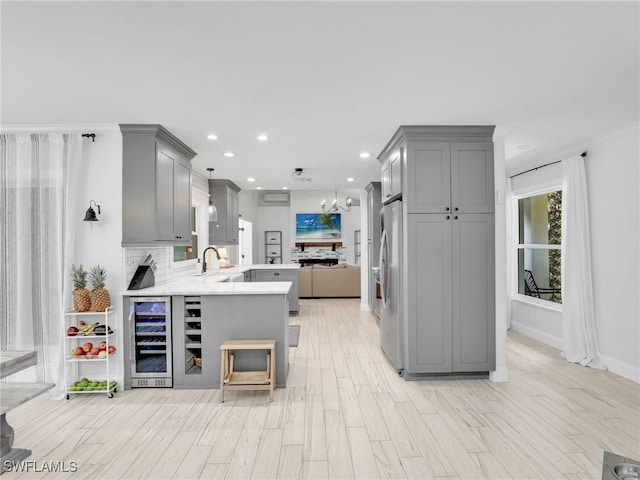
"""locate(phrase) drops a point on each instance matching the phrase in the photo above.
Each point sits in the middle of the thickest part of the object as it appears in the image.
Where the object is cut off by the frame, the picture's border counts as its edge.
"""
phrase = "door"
(246, 242)
(428, 177)
(428, 337)
(472, 177)
(473, 293)
(390, 277)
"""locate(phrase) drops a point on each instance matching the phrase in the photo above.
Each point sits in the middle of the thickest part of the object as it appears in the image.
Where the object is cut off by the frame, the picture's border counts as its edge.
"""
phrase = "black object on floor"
(294, 335)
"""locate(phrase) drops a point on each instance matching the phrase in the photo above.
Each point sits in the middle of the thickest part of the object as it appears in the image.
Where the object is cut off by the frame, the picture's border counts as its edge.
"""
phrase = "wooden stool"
(261, 380)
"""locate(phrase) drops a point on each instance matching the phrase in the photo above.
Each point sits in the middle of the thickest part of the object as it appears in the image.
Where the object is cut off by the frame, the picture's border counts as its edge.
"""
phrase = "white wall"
(614, 203)
(283, 219)
(100, 179)
(613, 173)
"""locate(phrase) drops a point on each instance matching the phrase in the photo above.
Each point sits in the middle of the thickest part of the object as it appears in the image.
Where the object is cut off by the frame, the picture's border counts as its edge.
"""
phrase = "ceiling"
(324, 80)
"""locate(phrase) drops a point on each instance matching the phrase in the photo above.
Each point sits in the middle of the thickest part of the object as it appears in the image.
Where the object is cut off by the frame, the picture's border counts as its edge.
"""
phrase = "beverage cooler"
(150, 327)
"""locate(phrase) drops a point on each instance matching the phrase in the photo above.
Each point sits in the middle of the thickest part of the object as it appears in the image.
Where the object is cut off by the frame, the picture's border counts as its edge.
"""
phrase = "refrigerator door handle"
(384, 267)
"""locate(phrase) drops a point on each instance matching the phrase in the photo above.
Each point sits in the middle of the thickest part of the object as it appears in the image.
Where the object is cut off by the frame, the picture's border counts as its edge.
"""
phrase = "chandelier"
(334, 205)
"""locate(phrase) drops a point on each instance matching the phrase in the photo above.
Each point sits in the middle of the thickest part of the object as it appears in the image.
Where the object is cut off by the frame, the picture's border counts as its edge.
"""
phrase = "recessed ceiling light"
(523, 147)
(251, 179)
(262, 137)
(258, 188)
(212, 136)
(229, 154)
(351, 179)
(285, 188)
(365, 155)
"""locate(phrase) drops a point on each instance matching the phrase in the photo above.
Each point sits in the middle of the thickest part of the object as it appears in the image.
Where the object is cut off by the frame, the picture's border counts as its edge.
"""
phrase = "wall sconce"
(212, 210)
(90, 215)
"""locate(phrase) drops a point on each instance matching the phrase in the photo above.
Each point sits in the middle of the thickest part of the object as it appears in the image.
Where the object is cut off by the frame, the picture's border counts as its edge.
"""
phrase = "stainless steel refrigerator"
(391, 324)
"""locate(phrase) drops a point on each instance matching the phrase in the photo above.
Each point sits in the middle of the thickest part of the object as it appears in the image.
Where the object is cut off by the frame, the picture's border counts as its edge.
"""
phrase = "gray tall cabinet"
(448, 266)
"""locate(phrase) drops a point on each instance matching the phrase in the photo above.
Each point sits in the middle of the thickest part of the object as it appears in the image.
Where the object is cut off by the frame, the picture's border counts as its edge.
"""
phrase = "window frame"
(516, 246)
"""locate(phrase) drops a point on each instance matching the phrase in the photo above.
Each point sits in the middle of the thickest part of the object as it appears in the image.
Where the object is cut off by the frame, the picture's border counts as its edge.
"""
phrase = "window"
(181, 254)
(539, 246)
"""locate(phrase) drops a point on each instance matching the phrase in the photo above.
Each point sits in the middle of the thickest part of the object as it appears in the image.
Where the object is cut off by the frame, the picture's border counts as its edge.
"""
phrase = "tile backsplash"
(166, 270)
(319, 252)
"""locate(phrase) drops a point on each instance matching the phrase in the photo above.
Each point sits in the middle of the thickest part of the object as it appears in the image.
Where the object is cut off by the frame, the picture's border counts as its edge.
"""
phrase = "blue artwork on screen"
(318, 226)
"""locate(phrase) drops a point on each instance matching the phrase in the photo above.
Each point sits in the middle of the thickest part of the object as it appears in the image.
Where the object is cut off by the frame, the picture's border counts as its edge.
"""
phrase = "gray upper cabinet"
(156, 187)
(446, 169)
(225, 231)
(392, 176)
(472, 177)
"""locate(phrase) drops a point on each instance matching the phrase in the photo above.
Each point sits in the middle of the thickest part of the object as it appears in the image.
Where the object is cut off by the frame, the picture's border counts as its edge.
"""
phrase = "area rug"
(294, 335)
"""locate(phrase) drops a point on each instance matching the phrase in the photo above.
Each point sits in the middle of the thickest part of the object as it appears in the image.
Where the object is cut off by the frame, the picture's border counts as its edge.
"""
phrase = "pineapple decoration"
(81, 296)
(99, 295)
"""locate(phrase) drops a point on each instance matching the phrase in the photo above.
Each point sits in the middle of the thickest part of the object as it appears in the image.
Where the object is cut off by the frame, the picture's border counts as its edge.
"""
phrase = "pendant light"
(334, 208)
(213, 211)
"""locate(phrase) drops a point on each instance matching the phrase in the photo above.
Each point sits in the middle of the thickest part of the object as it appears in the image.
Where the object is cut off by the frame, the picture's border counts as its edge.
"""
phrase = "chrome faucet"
(204, 257)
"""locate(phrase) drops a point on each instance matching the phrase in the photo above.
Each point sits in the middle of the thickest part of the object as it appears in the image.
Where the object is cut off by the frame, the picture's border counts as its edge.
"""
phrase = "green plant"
(327, 219)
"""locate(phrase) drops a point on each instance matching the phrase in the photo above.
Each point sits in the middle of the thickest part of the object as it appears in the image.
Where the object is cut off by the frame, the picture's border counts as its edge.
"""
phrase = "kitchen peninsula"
(238, 303)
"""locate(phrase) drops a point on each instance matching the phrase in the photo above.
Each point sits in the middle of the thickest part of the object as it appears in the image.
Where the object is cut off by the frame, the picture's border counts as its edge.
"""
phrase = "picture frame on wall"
(318, 226)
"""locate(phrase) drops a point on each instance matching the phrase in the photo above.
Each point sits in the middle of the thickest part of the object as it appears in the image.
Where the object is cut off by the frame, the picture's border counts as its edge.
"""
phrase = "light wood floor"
(345, 414)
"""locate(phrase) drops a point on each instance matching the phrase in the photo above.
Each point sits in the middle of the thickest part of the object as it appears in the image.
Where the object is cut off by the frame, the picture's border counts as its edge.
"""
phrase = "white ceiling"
(325, 80)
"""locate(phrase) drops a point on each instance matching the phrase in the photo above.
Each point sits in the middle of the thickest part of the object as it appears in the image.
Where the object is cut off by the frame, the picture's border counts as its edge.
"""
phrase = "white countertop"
(213, 282)
(255, 266)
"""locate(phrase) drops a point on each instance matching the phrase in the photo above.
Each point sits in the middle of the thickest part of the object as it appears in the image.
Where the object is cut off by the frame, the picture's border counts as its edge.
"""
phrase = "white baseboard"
(543, 337)
(626, 370)
(364, 307)
(500, 375)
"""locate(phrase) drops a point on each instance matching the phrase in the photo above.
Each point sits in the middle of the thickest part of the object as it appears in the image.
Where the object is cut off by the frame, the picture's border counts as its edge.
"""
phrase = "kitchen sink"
(626, 471)
(617, 467)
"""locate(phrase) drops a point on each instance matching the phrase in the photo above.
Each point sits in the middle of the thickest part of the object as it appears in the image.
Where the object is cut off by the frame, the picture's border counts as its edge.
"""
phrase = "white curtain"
(37, 187)
(579, 334)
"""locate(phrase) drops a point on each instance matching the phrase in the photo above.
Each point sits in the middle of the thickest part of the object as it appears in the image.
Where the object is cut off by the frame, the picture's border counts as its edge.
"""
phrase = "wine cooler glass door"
(151, 330)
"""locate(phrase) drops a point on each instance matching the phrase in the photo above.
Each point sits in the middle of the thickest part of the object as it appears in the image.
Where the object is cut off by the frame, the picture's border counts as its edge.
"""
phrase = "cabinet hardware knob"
(456, 217)
(447, 209)
(456, 209)
(448, 217)
(276, 274)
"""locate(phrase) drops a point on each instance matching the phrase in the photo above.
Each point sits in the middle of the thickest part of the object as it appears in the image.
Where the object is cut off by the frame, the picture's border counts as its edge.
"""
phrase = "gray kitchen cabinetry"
(450, 177)
(156, 187)
(444, 169)
(451, 297)
(447, 307)
(193, 357)
(202, 323)
(284, 275)
(224, 194)
(374, 205)
(391, 187)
